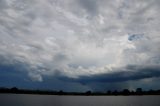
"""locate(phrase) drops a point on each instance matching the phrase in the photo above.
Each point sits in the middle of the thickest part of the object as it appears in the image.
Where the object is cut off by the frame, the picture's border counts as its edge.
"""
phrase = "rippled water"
(50, 100)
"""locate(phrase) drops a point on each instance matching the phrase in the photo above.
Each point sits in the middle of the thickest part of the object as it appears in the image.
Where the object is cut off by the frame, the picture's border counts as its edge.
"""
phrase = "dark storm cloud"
(79, 41)
(52, 36)
(15, 75)
(12, 75)
(128, 74)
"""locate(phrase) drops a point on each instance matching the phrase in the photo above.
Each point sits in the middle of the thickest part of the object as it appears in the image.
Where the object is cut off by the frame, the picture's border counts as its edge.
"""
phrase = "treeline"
(126, 92)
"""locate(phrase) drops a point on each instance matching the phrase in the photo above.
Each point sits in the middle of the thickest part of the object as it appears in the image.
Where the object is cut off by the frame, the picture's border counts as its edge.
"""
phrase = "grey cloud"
(127, 74)
(52, 37)
(3, 4)
(91, 6)
(135, 37)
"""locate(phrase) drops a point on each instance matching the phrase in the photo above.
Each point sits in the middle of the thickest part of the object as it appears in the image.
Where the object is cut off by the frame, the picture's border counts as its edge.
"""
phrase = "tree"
(88, 93)
(60, 92)
(139, 91)
(125, 92)
(115, 92)
(14, 89)
(109, 92)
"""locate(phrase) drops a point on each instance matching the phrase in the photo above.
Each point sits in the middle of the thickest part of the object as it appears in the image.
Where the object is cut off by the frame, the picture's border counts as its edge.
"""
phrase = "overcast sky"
(79, 45)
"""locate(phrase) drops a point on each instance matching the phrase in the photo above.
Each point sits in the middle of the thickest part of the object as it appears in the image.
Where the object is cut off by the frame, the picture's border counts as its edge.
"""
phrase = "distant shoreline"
(125, 92)
(74, 95)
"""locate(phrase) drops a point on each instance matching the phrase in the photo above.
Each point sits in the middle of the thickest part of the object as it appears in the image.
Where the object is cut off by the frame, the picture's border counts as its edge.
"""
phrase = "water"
(51, 100)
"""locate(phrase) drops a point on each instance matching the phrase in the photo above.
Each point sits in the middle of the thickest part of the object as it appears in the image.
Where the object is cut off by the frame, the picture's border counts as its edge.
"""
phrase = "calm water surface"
(50, 100)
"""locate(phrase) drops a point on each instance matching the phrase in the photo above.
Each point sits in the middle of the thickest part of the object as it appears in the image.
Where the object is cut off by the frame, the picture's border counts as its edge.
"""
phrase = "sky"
(80, 45)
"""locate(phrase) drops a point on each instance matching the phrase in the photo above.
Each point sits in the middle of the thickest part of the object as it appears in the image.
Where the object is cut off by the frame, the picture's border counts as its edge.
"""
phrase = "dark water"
(50, 100)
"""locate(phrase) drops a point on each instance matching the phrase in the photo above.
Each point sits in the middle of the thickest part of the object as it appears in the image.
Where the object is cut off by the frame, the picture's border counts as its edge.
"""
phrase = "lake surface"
(51, 100)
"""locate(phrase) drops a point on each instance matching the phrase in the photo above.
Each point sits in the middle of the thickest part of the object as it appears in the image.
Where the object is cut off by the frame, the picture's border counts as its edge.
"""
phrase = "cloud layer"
(75, 38)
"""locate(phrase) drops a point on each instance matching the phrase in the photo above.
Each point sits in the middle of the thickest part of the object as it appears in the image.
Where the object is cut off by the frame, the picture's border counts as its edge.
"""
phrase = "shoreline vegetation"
(124, 92)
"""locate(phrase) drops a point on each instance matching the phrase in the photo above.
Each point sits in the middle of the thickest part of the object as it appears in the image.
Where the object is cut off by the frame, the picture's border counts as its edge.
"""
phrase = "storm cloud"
(87, 40)
(131, 73)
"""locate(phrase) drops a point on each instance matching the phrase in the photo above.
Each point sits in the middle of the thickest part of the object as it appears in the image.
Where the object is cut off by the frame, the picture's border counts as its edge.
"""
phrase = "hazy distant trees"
(139, 91)
(126, 92)
(14, 89)
(60, 92)
(109, 92)
(88, 93)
